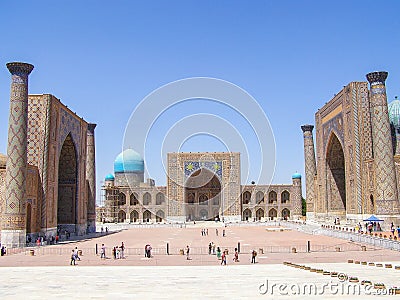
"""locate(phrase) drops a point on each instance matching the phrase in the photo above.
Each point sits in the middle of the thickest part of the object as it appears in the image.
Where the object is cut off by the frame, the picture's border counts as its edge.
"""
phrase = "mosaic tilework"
(13, 214)
(310, 165)
(385, 173)
(68, 124)
(91, 173)
(213, 166)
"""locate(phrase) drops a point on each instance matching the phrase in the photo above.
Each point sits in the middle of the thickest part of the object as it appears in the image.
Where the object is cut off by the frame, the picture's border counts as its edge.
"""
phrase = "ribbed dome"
(128, 161)
(394, 112)
(296, 176)
(3, 160)
(110, 177)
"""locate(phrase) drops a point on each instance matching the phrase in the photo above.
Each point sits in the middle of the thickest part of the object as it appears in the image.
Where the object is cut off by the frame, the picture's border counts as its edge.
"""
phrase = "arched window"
(285, 197)
(190, 198)
(134, 199)
(260, 197)
(246, 196)
(121, 199)
(272, 197)
(160, 198)
(146, 199)
(203, 199)
(246, 214)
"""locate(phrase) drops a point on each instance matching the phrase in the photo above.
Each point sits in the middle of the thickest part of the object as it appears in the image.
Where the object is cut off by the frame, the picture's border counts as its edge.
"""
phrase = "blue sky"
(101, 58)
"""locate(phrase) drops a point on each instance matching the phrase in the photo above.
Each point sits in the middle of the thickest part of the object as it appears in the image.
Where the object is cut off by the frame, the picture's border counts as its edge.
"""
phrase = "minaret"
(91, 178)
(310, 168)
(297, 196)
(385, 173)
(13, 227)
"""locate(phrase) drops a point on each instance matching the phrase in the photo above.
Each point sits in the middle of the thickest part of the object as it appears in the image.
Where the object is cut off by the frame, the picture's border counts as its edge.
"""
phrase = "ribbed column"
(13, 217)
(385, 175)
(91, 178)
(310, 167)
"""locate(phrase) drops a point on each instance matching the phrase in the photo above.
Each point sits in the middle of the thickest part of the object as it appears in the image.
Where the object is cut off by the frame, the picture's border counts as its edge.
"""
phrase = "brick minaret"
(310, 168)
(297, 196)
(13, 233)
(91, 178)
(385, 173)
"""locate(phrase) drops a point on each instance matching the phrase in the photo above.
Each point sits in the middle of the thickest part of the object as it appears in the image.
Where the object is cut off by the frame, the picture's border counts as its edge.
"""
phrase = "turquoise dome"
(296, 176)
(128, 161)
(110, 177)
(394, 112)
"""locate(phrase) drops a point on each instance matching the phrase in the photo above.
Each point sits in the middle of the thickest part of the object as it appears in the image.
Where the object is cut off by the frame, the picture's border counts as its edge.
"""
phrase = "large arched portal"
(67, 187)
(202, 196)
(336, 183)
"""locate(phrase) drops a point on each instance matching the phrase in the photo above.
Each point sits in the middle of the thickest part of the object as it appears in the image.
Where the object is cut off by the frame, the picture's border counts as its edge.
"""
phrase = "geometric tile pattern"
(385, 173)
(13, 213)
(310, 165)
(91, 173)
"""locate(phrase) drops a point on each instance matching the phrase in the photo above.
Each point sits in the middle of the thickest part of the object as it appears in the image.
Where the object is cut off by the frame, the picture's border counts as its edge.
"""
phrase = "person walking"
(187, 252)
(103, 251)
(209, 248)
(73, 259)
(223, 258)
(236, 258)
(253, 256)
(76, 254)
(218, 253)
(122, 250)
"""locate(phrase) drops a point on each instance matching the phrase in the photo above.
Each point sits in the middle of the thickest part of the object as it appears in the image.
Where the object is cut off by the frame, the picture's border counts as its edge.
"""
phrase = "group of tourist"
(3, 250)
(74, 256)
(118, 252)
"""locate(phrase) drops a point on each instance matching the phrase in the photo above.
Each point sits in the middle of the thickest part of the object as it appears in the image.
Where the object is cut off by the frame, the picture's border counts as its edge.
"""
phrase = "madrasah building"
(47, 178)
(353, 170)
(200, 186)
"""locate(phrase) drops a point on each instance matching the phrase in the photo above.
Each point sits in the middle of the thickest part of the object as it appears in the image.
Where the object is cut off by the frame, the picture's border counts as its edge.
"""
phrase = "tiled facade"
(200, 186)
(355, 169)
(55, 141)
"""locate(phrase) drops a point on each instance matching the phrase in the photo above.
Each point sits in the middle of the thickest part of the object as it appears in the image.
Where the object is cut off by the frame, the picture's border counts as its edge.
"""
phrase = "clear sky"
(101, 58)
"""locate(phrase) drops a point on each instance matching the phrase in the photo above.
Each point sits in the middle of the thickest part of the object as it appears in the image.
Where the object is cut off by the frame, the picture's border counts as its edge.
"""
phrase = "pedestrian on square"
(187, 252)
(213, 248)
(236, 258)
(76, 254)
(216, 231)
(223, 258)
(114, 253)
(223, 232)
(207, 231)
(73, 258)
(253, 256)
(122, 250)
(218, 253)
(103, 251)
(209, 248)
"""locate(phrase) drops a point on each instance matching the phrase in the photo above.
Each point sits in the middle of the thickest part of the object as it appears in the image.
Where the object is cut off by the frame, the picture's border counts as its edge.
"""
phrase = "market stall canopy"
(373, 219)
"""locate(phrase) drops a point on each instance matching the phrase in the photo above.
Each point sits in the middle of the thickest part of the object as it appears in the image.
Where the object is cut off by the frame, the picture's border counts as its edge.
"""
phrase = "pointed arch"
(67, 204)
(336, 174)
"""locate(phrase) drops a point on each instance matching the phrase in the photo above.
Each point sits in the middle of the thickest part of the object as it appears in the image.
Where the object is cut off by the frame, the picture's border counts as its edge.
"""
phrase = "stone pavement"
(190, 282)
(48, 273)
